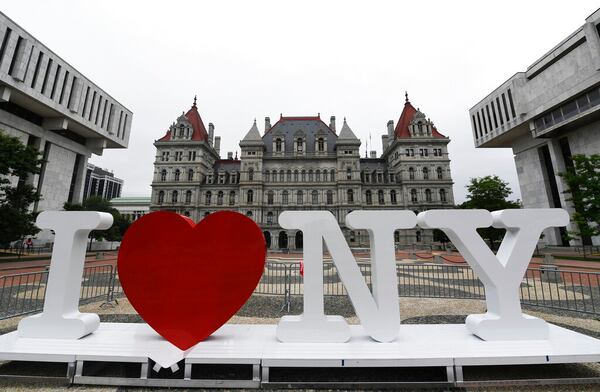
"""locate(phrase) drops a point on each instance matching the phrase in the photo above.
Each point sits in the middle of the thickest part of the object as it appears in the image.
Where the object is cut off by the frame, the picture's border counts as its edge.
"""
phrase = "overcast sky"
(251, 59)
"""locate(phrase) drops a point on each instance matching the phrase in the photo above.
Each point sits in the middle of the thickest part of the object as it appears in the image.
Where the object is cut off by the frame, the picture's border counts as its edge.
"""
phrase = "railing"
(546, 287)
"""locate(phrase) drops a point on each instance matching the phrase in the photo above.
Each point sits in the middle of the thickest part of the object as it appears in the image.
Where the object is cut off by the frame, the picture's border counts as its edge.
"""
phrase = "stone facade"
(302, 163)
(546, 115)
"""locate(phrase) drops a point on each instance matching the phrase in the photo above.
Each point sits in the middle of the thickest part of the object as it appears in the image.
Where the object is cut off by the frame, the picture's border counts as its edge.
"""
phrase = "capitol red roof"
(408, 113)
(194, 118)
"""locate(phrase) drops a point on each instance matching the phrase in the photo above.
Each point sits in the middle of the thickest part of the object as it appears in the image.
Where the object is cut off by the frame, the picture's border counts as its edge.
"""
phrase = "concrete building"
(100, 182)
(302, 163)
(50, 105)
(132, 208)
(547, 114)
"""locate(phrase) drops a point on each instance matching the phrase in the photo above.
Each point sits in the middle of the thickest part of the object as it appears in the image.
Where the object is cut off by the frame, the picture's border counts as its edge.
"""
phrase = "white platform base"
(449, 346)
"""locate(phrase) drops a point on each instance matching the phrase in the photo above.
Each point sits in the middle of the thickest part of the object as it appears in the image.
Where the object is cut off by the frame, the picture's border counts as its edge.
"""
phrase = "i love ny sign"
(186, 280)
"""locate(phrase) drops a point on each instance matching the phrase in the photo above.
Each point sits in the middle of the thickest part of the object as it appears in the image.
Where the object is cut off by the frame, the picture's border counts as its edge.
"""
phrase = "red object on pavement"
(301, 268)
(186, 280)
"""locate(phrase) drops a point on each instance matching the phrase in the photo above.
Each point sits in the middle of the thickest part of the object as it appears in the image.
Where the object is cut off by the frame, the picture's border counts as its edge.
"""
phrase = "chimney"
(217, 145)
(384, 141)
(230, 155)
(390, 126)
(267, 124)
(373, 154)
(211, 133)
(332, 123)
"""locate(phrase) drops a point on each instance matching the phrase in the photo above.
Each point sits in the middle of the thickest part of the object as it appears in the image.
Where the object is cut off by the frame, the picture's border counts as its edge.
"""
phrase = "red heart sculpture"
(187, 280)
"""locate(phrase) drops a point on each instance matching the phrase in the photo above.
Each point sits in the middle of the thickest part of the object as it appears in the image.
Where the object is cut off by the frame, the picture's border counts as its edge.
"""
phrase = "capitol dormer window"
(181, 127)
(299, 145)
(321, 144)
(278, 145)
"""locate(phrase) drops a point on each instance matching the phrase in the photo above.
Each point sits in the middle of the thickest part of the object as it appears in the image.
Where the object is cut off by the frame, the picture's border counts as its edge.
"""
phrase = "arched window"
(207, 198)
(329, 197)
(310, 176)
(274, 178)
(191, 175)
(251, 174)
(207, 213)
(284, 197)
(439, 173)
(299, 197)
(188, 197)
(181, 127)
(380, 197)
(315, 197)
(348, 173)
(231, 198)
(425, 173)
(393, 197)
(428, 195)
(161, 197)
(443, 195)
(413, 195)
(267, 176)
(163, 175)
(249, 214)
(321, 144)
(174, 196)
(296, 175)
(278, 145)
(350, 196)
(332, 175)
(411, 173)
(299, 145)
(270, 197)
(281, 176)
(318, 175)
(289, 176)
(250, 196)
(369, 197)
(177, 174)
(220, 198)
(303, 175)
(269, 218)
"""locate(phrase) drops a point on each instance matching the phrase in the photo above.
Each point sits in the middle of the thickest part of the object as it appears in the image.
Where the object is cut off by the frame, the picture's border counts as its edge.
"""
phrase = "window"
(174, 196)
(177, 174)
(329, 197)
(425, 173)
(284, 197)
(270, 197)
(209, 179)
(220, 198)
(411, 173)
(281, 176)
(315, 197)
(190, 175)
(163, 175)
(274, 178)
(428, 195)
(437, 152)
(321, 144)
(231, 198)
(191, 155)
(423, 152)
(369, 197)
(249, 214)
(443, 195)
(410, 152)
(269, 218)
(207, 198)
(310, 176)
(303, 175)
(318, 176)
(332, 175)
(161, 197)
(379, 177)
(393, 197)
(348, 173)
(350, 196)
(439, 173)
(267, 175)
(296, 175)
(289, 176)
(250, 197)
(278, 145)
(380, 197)
(299, 145)
(413, 195)
(250, 174)
(188, 197)
(299, 197)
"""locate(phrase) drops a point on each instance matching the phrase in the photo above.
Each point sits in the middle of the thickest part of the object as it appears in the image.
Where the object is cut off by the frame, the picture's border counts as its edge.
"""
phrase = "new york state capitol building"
(302, 163)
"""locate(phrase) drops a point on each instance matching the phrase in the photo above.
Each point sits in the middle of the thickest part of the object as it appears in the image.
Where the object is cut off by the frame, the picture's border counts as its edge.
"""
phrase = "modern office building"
(50, 105)
(547, 114)
(100, 182)
(302, 163)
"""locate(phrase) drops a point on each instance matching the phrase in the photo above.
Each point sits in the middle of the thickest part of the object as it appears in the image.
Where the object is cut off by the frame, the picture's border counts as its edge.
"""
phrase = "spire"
(194, 105)
(253, 134)
(346, 132)
(406, 97)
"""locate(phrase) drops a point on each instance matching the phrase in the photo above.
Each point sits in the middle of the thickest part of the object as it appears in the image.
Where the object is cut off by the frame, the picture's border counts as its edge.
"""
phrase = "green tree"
(489, 193)
(97, 203)
(583, 182)
(17, 161)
